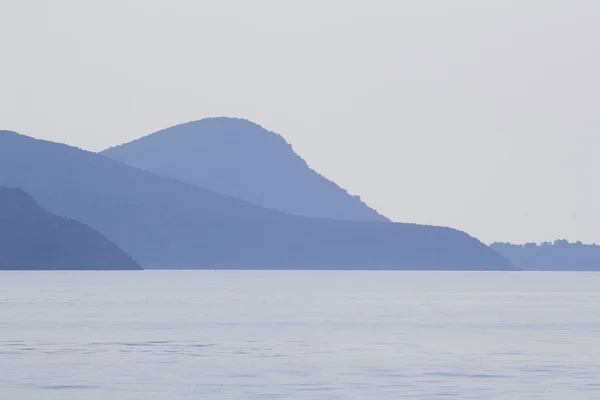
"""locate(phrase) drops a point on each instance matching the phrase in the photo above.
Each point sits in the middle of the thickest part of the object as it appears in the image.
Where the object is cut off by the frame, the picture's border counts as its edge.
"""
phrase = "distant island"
(557, 256)
(241, 159)
(33, 239)
(165, 223)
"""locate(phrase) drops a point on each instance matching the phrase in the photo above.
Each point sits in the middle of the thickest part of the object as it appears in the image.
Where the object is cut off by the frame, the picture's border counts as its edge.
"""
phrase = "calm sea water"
(299, 335)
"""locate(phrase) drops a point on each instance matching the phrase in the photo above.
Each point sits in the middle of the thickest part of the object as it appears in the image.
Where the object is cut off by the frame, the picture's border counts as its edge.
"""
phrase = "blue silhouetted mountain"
(239, 158)
(33, 239)
(164, 223)
(558, 256)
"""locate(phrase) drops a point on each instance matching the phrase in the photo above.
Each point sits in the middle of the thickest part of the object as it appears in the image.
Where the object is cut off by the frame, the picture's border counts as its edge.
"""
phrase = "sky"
(479, 115)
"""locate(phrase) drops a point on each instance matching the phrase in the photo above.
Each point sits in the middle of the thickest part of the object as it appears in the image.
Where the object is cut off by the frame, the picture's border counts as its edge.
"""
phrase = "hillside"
(165, 223)
(239, 158)
(558, 256)
(33, 239)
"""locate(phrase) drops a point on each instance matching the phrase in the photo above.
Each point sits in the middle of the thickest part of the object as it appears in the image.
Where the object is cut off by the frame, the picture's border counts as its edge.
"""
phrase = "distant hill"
(241, 159)
(558, 256)
(33, 239)
(165, 223)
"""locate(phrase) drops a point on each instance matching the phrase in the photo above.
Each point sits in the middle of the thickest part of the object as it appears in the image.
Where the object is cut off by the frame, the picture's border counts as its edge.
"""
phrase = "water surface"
(299, 335)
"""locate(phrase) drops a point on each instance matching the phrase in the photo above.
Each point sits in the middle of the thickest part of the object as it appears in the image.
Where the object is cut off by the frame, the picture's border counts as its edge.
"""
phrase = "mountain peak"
(227, 124)
(242, 159)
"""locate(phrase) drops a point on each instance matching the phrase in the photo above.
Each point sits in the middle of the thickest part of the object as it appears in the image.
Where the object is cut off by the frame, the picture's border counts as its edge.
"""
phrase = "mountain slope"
(165, 223)
(241, 159)
(32, 238)
(558, 256)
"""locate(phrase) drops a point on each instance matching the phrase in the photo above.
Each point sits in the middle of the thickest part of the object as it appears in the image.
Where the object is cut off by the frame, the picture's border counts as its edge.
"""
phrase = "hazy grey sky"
(482, 115)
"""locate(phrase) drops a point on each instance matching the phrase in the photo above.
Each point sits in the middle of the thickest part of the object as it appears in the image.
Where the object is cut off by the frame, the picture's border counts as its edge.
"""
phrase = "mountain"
(239, 158)
(164, 223)
(33, 239)
(558, 256)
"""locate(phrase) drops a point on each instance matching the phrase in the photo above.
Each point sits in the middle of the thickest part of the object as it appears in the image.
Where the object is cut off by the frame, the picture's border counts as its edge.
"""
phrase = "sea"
(151, 335)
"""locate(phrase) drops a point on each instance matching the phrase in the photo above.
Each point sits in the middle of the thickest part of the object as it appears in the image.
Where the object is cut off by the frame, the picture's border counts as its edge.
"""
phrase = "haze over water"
(299, 335)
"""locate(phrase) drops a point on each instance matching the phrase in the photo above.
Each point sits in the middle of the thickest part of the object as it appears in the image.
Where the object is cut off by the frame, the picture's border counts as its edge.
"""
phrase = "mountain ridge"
(164, 223)
(33, 239)
(560, 255)
(240, 158)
